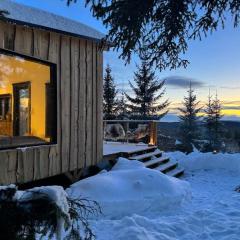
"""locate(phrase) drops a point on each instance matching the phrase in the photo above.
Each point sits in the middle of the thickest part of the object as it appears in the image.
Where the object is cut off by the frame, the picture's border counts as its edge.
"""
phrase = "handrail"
(132, 120)
(152, 128)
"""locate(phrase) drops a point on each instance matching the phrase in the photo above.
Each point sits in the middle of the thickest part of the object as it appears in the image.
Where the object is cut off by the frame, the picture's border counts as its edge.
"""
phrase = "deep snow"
(207, 161)
(213, 212)
(117, 147)
(130, 188)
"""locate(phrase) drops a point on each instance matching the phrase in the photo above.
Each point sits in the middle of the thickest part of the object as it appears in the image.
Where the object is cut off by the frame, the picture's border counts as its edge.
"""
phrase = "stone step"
(156, 162)
(164, 168)
(177, 172)
(147, 156)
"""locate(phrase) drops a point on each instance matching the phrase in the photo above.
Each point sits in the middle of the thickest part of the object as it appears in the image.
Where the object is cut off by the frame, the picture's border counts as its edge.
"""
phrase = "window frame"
(53, 82)
(17, 86)
(5, 96)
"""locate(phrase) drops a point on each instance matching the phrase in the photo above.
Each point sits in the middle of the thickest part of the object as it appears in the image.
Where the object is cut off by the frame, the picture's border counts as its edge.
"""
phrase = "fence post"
(153, 133)
(127, 131)
(104, 128)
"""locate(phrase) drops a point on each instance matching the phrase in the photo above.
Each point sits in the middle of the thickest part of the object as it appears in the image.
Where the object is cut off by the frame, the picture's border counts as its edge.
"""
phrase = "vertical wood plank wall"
(79, 105)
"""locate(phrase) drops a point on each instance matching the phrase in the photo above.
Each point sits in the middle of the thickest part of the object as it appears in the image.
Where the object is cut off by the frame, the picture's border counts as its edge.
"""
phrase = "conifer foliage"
(189, 120)
(161, 29)
(3, 13)
(147, 91)
(109, 95)
(35, 215)
(213, 123)
(122, 110)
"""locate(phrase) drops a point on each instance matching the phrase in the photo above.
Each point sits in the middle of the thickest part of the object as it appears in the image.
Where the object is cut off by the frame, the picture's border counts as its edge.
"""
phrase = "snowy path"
(213, 213)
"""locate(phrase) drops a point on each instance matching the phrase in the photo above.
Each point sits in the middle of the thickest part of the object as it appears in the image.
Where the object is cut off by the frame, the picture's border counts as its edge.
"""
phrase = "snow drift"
(213, 213)
(130, 188)
(207, 161)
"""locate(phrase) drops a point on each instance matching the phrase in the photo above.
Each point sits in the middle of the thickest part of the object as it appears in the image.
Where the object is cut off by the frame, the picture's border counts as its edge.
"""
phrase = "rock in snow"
(130, 188)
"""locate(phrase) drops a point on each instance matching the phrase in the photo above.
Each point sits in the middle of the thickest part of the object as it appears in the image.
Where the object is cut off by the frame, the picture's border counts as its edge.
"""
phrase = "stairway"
(153, 158)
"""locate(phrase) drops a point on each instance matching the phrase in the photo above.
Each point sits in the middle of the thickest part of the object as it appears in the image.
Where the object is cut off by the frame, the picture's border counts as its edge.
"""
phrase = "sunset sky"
(214, 62)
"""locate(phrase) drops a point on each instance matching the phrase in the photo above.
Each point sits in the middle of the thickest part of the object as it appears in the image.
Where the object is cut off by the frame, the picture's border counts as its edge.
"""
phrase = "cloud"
(236, 102)
(172, 117)
(230, 88)
(231, 107)
(183, 82)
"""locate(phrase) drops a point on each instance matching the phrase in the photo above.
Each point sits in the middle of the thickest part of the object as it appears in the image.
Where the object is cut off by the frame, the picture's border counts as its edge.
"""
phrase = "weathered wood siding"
(79, 97)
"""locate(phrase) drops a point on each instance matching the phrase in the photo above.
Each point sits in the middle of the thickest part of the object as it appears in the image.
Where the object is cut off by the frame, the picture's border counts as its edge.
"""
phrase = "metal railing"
(133, 131)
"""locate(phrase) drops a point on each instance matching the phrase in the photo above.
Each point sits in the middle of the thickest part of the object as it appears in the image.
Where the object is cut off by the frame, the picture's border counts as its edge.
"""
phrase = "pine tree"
(122, 111)
(147, 92)
(109, 95)
(189, 126)
(213, 123)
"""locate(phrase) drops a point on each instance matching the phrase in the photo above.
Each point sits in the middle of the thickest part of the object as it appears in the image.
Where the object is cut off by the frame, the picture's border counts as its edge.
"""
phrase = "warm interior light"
(23, 82)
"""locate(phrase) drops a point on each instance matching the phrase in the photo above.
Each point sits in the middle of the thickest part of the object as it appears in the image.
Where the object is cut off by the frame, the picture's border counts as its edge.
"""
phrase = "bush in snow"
(44, 212)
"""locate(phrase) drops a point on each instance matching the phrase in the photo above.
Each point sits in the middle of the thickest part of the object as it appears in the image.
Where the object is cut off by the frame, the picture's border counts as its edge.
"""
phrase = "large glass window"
(27, 102)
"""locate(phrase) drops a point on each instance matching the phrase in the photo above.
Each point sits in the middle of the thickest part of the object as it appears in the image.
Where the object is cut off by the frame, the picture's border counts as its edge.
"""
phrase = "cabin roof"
(33, 17)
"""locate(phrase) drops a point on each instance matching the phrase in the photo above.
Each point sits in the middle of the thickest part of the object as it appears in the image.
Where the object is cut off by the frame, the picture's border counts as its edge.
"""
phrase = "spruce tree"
(189, 120)
(122, 111)
(147, 91)
(109, 95)
(213, 123)
(161, 29)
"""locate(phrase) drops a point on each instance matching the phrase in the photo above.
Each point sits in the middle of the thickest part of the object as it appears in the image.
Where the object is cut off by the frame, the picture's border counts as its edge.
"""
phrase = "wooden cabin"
(50, 95)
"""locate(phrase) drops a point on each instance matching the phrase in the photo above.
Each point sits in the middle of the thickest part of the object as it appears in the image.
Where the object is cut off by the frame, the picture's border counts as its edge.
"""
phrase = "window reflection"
(25, 91)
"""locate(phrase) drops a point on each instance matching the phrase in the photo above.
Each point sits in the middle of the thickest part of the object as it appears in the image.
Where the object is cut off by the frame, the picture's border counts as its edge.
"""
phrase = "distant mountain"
(171, 128)
(232, 124)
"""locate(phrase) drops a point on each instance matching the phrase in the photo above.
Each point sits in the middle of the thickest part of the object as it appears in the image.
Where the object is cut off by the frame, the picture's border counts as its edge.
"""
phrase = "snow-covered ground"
(118, 147)
(130, 188)
(142, 204)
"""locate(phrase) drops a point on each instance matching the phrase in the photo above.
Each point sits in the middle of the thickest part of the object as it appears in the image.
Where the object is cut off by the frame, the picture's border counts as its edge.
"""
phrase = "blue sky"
(214, 61)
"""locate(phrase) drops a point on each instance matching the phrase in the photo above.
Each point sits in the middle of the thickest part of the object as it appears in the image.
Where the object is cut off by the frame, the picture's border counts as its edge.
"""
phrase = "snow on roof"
(24, 15)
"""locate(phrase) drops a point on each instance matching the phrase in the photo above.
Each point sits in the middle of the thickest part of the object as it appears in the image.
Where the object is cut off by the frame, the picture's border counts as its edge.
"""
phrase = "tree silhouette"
(213, 123)
(189, 118)
(122, 109)
(147, 92)
(109, 95)
(162, 29)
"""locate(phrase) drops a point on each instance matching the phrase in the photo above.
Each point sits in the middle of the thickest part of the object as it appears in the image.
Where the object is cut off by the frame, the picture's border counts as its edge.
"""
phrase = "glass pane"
(24, 112)
(26, 102)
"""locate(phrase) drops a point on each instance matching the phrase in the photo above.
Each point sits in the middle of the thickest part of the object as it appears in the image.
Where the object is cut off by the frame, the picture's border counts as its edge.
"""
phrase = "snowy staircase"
(153, 158)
